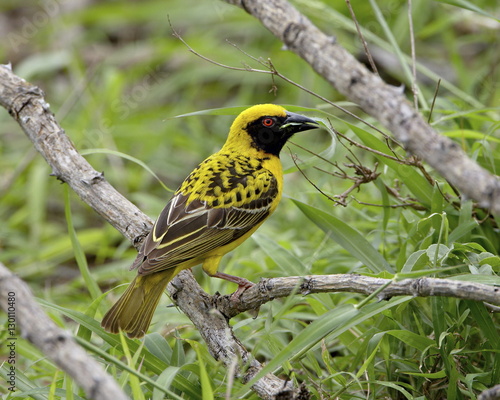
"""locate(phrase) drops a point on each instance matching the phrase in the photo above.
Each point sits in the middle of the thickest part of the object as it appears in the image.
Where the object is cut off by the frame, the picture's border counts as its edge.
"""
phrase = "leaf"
(206, 385)
(285, 260)
(214, 111)
(395, 387)
(412, 339)
(165, 380)
(127, 157)
(158, 346)
(81, 260)
(239, 109)
(347, 237)
(412, 260)
(437, 252)
(484, 279)
(150, 362)
(485, 323)
(469, 134)
(469, 6)
(462, 230)
(24, 386)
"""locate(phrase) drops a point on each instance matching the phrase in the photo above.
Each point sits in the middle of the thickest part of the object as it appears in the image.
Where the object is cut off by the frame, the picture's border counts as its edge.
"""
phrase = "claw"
(241, 288)
(243, 284)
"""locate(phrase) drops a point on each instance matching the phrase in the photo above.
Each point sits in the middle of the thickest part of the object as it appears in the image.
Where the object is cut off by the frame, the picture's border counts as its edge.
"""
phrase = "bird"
(216, 208)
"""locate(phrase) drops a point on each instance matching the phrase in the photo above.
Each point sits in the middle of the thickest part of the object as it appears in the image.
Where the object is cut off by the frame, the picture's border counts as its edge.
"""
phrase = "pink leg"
(243, 284)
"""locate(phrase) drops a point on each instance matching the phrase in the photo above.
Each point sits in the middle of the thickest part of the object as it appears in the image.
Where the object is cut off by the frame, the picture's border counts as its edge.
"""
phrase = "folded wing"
(186, 230)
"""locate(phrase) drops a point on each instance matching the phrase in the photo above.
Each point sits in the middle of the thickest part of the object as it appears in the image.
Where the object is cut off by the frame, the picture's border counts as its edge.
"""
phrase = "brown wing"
(187, 231)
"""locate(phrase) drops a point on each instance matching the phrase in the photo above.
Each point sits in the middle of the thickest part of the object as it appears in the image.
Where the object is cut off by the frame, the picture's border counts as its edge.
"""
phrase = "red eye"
(268, 122)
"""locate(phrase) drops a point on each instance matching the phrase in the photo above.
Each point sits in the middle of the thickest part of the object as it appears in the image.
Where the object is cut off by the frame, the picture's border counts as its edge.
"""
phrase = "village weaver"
(219, 205)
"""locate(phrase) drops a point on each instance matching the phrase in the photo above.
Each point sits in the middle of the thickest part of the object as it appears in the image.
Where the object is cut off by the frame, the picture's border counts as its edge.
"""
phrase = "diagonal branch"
(382, 101)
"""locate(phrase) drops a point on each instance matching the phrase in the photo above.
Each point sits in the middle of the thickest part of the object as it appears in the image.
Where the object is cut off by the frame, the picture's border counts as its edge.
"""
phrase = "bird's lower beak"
(298, 123)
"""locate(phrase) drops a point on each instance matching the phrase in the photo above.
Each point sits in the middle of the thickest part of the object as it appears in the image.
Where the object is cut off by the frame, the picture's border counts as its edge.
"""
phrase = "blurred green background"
(116, 78)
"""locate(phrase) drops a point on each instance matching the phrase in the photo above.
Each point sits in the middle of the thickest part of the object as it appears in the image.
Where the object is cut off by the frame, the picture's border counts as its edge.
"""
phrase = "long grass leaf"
(130, 158)
(286, 261)
(348, 237)
(80, 258)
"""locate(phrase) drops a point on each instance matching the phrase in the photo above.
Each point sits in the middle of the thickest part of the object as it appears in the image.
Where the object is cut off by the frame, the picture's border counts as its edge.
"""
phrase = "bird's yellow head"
(266, 128)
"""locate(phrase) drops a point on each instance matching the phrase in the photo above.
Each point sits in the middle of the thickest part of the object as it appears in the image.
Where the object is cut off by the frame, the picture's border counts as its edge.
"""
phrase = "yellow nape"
(255, 112)
(238, 138)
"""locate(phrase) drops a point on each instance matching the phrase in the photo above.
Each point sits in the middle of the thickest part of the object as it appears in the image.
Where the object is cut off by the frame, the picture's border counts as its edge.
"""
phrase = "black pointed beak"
(298, 123)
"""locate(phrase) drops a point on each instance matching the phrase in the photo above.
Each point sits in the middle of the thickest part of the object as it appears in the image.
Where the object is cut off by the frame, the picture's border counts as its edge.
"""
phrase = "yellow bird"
(219, 205)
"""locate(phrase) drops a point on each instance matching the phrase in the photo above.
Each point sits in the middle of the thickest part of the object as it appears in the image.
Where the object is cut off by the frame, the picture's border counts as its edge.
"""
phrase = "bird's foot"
(243, 284)
(241, 288)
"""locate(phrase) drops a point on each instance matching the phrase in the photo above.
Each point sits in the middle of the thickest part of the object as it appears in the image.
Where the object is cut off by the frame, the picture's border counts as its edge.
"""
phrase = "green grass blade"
(331, 324)
(165, 380)
(239, 109)
(412, 339)
(206, 385)
(286, 261)
(346, 236)
(96, 350)
(469, 6)
(158, 346)
(129, 158)
(485, 323)
(397, 50)
(23, 385)
(80, 258)
(214, 111)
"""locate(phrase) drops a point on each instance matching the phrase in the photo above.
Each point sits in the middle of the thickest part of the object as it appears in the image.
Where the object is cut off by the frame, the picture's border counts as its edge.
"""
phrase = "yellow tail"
(133, 312)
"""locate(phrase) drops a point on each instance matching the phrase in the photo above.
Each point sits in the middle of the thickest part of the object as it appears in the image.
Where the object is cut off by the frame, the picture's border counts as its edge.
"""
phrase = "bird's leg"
(243, 284)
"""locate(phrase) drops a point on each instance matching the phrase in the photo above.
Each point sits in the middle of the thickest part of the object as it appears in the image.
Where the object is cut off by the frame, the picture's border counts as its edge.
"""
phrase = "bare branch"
(362, 38)
(269, 289)
(274, 72)
(57, 344)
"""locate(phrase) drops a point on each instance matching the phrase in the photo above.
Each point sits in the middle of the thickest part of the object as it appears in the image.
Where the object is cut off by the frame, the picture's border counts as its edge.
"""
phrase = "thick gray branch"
(269, 289)
(58, 345)
(382, 101)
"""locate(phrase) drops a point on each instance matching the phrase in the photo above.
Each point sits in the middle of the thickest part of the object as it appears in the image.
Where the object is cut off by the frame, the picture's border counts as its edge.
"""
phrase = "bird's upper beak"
(298, 123)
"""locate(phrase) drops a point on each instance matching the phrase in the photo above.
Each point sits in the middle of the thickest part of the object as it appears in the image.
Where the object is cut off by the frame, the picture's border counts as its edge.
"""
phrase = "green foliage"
(117, 79)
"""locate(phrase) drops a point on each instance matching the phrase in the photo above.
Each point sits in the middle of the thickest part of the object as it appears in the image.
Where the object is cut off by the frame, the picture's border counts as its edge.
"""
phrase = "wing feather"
(186, 230)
